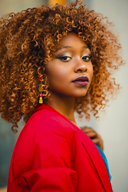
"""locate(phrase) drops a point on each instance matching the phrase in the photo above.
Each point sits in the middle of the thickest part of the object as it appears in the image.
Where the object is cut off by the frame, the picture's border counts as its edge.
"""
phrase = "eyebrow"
(85, 47)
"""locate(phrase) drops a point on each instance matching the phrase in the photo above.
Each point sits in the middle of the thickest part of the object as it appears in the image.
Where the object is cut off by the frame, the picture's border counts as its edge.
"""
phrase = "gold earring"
(41, 98)
(41, 94)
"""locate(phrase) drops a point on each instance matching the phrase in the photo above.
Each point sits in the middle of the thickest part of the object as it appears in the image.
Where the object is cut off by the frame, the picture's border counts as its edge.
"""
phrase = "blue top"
(105, 160)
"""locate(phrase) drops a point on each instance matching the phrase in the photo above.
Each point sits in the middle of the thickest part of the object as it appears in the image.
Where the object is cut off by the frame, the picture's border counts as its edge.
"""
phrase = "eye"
(64, 58)
(87, 58)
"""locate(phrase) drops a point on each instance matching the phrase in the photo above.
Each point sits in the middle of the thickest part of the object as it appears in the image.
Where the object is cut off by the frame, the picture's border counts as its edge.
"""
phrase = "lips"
(81, 81)
(82, 78)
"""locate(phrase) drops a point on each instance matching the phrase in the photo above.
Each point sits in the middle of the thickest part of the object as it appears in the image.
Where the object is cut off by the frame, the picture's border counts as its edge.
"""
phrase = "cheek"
(91, 71)
(59, 74)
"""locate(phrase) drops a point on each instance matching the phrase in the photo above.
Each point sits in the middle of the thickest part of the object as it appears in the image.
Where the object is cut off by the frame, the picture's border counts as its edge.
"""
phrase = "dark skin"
(71, 61)
(68, 63)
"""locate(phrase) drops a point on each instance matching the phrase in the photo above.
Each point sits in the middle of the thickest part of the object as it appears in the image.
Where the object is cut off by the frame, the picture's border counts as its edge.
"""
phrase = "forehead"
(71, 40)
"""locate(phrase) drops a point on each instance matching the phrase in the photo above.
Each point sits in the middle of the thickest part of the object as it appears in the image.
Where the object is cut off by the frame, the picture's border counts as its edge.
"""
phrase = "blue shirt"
(105, 160)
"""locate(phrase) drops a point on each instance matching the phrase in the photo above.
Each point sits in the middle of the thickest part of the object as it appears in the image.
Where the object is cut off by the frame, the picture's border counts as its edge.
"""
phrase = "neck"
(63, 104)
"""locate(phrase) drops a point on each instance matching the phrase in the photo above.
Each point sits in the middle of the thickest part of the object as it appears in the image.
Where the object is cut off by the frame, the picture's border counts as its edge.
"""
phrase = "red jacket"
(52, 154)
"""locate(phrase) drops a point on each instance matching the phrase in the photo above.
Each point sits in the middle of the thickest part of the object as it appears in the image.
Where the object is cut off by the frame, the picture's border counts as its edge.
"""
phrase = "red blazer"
(52, 154)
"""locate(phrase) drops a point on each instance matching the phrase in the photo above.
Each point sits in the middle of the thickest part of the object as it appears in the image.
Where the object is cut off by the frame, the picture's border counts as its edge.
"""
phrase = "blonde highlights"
(28, 40)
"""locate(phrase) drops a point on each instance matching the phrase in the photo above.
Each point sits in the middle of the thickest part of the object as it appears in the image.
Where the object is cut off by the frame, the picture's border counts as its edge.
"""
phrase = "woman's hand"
(94, 136)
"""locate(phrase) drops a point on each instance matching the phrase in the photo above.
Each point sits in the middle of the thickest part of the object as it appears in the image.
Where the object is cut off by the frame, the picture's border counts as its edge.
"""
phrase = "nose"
(80, 66)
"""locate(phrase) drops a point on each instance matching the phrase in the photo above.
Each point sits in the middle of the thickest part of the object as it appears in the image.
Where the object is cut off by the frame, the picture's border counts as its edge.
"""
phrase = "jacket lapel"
(97, 160)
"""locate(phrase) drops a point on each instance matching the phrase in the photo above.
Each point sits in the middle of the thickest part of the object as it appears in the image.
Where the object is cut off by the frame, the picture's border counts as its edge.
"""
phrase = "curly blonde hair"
(28, 40)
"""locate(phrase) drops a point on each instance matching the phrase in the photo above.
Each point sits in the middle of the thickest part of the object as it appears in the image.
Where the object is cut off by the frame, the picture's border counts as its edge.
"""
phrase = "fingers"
(101, 143)
(96, 138)
(91, 134)
(98, 142)
(89, 131)
(86, 129)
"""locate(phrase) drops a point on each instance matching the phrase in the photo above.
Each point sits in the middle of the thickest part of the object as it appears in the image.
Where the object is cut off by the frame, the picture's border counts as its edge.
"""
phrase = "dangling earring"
(41, 94)
(41, 98)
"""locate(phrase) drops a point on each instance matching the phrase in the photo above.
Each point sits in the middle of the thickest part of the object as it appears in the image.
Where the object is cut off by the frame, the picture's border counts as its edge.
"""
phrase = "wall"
(7, 6)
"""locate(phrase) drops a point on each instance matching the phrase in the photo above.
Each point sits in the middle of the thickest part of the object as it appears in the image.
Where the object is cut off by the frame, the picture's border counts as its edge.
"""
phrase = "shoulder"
(44, 135)
(47, 120)
(44, 129)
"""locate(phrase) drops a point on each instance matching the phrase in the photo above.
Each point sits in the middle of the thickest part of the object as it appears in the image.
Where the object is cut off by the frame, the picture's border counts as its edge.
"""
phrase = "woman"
(63, 56)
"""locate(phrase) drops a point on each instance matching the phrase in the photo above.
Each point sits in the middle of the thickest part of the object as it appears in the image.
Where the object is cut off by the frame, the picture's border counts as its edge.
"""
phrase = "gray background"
(112, 125)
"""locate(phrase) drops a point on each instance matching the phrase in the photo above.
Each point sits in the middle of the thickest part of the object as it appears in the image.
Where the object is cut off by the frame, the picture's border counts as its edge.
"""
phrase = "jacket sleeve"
(43, 160)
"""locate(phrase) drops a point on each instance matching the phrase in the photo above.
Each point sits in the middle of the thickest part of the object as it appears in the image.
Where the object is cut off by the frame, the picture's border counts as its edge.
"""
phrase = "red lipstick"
(81, 81)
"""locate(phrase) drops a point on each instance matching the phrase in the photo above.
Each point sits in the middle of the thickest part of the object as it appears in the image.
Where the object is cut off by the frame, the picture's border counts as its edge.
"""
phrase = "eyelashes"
(87, 58)
(66, 58)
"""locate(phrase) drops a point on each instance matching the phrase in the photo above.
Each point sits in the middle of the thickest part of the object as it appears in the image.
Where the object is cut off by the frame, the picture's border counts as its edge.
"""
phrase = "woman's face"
(70, 62)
